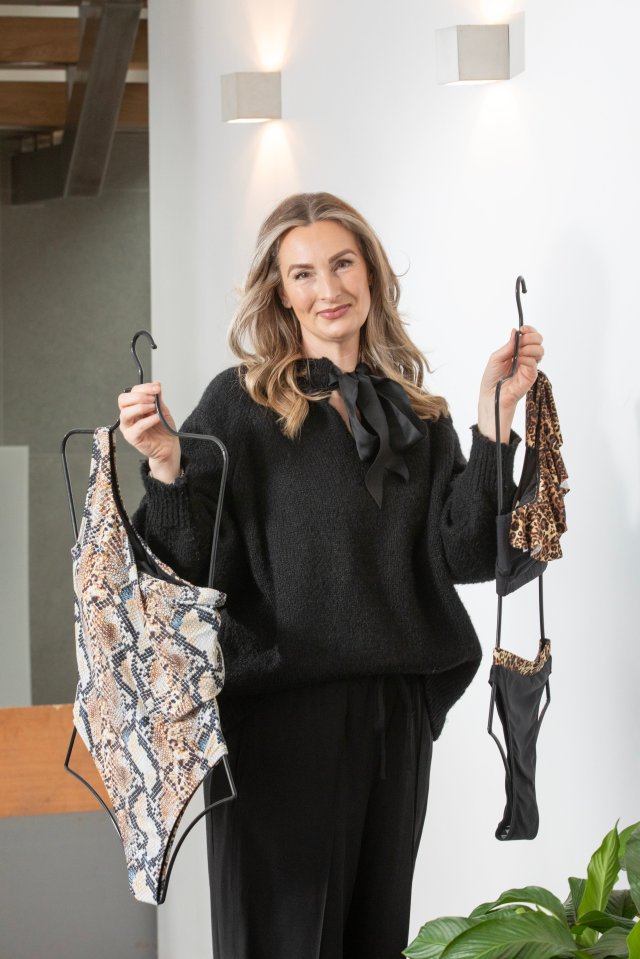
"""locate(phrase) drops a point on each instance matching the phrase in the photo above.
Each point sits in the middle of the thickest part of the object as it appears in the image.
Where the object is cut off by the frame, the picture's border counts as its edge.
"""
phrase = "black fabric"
(518, 700)
(315, 858)
(515, 567)
(389, 425)
(306, 557)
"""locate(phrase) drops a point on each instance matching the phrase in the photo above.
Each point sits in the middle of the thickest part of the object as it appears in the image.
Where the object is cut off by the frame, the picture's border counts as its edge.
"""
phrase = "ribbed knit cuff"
(167, 503)
(482, 459)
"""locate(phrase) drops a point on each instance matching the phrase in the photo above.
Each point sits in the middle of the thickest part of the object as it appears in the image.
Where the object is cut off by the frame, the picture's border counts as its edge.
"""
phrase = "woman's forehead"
(320, 240)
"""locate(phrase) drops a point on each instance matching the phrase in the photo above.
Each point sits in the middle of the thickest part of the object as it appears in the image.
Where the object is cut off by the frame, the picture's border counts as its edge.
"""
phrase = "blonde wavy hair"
(268, 370)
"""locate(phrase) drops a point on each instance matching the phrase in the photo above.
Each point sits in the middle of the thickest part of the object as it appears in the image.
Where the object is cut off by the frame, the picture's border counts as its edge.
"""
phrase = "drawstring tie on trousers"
(380, 720)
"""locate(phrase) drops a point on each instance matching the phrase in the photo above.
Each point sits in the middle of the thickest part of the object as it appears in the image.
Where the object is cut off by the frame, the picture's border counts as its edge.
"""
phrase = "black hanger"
(90, 432)
(193, 436)
(216, 532)
(520, 286)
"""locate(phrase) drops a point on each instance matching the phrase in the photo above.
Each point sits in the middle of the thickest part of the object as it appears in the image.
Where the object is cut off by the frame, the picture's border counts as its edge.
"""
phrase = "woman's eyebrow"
(309, 266)
(337, 256)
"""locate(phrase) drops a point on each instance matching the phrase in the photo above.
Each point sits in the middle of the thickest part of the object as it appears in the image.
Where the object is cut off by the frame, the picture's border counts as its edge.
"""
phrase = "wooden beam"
(32, 106)
(140, 56)
(50, 3)
(39, 40)
(134, 111)
(50, 40)
(33, 746)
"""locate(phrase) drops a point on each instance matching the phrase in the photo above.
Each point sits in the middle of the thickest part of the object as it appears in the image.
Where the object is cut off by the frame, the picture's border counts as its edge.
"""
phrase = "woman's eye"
(342, 263)
(303, 274)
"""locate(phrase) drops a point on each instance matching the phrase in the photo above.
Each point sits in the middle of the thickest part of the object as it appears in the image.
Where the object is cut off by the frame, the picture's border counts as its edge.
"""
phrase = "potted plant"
(596, 921)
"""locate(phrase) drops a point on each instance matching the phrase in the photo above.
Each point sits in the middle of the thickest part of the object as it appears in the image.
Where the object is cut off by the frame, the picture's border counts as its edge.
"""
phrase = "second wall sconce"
(250, 97)
(475, 54)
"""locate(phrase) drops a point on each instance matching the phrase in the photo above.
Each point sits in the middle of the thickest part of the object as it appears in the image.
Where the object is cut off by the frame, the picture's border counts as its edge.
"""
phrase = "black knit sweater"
(322, 584)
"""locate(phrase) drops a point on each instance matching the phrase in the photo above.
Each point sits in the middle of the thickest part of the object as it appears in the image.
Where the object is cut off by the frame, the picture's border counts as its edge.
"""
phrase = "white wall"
(15, 675)
(467, 188)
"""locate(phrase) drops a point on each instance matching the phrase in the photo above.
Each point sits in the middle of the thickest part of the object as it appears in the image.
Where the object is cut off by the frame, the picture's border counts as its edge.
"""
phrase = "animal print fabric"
(537, 526)
(150, 669)
(525, 667)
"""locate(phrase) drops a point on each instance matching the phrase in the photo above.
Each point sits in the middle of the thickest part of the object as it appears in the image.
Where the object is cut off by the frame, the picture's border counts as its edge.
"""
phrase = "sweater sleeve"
(177, 519)
(468, 519)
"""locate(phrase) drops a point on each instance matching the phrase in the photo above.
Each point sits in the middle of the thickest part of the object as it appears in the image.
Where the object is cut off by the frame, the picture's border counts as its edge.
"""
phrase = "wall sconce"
(250, 97)
(475, 54)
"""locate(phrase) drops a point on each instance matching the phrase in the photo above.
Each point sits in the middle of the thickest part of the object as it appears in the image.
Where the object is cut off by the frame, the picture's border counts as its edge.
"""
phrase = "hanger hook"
(520, 284)
(136, 337)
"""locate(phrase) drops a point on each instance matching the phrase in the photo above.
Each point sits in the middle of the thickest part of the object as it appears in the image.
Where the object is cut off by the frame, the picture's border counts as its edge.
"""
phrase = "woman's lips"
(335, 313)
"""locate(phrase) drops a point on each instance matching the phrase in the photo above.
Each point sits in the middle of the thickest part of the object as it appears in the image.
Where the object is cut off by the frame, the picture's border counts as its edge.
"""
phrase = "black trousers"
(315, 857)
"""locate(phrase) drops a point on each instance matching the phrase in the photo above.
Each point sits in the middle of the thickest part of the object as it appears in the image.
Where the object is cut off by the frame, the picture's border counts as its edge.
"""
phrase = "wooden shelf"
(33, 746)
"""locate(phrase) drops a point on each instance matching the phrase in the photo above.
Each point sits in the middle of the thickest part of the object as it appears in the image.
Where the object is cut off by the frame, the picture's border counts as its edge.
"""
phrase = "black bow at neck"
(388, 426)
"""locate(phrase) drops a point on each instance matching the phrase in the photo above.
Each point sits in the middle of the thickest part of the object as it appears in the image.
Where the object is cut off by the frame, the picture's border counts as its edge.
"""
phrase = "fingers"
(138, 413)
(141, 416)
(138, 403)
(141, 392)
(531, 350)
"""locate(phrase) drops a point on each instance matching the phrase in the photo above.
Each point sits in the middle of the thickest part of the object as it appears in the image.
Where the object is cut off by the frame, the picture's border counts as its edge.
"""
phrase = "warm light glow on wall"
(497, 11)
(273, 173)
(271, 24)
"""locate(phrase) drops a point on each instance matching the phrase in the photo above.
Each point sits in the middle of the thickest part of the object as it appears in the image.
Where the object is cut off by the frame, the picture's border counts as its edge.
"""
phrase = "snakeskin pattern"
(150, 668)
(526, 667)
(537, 526)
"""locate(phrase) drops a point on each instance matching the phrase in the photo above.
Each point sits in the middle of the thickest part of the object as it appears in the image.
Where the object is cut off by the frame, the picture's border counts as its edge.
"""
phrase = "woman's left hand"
(530, 353)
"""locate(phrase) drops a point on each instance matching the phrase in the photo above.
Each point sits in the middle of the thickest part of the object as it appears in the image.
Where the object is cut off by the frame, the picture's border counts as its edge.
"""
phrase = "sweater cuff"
(167, 503)
(482, 459)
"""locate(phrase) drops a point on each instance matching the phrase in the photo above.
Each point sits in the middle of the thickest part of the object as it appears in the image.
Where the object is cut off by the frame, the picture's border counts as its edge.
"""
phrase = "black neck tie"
(389, 425)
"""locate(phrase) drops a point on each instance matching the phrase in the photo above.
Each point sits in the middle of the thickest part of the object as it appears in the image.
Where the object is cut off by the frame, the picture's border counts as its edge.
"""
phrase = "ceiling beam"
(51, 40)
(39, 40)
(48, 3)
(43, 106)
(79, 164)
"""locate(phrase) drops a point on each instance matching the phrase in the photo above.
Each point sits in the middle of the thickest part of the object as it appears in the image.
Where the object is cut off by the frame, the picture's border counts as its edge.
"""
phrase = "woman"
(350, 513)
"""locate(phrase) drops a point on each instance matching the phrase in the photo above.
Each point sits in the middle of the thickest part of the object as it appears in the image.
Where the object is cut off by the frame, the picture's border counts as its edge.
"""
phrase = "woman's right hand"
(142, 428)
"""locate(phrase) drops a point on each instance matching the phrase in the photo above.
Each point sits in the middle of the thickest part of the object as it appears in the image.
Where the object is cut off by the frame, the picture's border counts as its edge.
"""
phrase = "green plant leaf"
(577, 887)
(632, 865)
(625, 835)
(601, 921)
(528, 894)
(585, 937)
(633, 942)
(621, 904)
(484, 911)
(435, 935)
(612, 943)
(601, 874)
(534, 935)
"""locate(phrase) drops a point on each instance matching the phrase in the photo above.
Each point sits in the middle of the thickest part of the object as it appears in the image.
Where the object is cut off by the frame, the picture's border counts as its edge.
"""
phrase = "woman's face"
(325, 281)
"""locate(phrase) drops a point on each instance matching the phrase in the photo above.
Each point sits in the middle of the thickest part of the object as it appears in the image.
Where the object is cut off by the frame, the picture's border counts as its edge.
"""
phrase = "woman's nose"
(328, 285)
